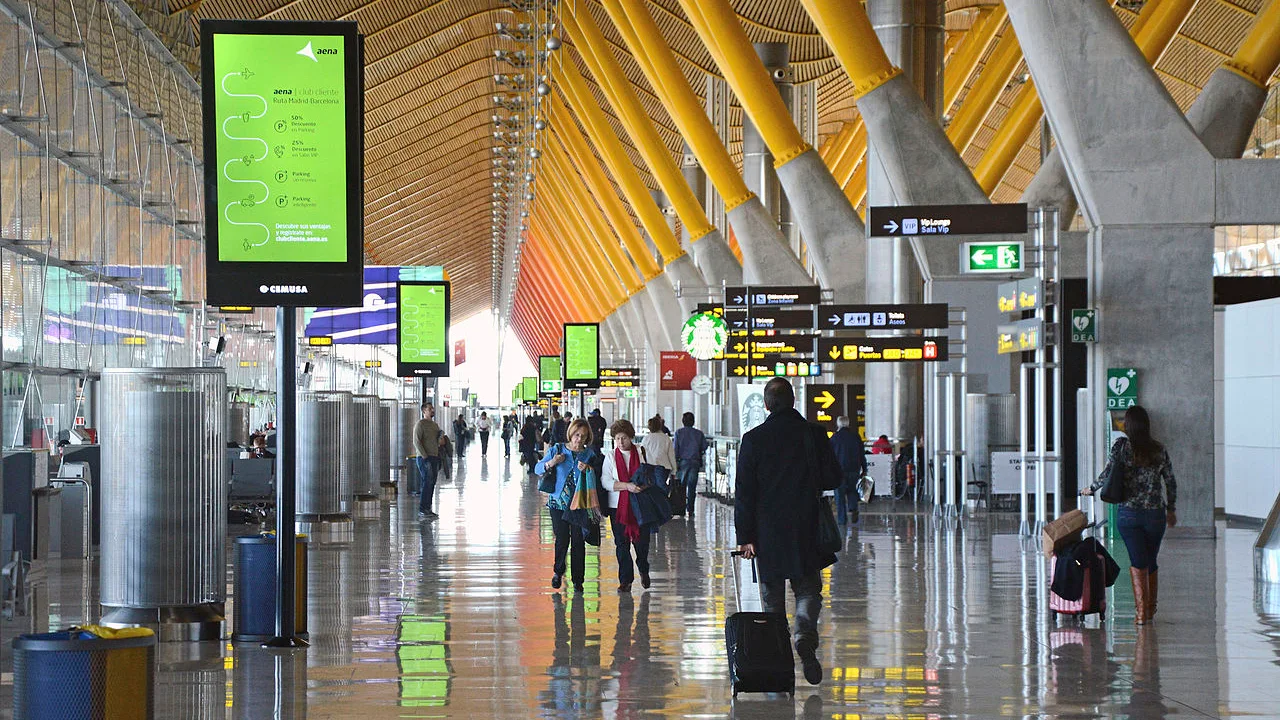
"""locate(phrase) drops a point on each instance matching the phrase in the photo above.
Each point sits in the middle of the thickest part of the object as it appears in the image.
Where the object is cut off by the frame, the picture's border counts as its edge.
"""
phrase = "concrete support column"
(757, 161)
(912, 34)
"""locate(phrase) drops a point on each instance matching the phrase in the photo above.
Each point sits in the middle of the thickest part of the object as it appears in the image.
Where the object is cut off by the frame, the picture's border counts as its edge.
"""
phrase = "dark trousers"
(688, 472)
(1142, 531)
(808, 592)
(626, 572)
(847, 498)
(484, 442)
(506, 445)
(568, 540)
(428, 469)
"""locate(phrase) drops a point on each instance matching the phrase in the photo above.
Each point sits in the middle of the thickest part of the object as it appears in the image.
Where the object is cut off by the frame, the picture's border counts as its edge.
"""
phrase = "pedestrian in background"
(853, 465)
(483, 426)
(690, 449)
(426, 443)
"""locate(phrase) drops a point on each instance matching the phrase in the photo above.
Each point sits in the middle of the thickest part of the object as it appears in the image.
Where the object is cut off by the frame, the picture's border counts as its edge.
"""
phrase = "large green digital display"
(281, 137)
(423, 337)
(581, 355)
(283, 113)
(529, 390)
(549, 382)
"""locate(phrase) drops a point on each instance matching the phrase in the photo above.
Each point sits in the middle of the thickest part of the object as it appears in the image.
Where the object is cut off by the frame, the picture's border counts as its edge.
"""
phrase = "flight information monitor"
(283, 149)
(423, 316)
(549, 382)
(581, 355)
(529, 390)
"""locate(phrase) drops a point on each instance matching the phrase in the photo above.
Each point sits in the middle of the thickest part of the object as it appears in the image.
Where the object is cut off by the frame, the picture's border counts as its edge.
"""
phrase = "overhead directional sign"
(770, 347)
(875, 317)
(985, 219)
(823, 404)
(886, 349)
(619, 377)
(768, 319)
(991, 257)
(780, 368)
(1022, 336)
(771, 296)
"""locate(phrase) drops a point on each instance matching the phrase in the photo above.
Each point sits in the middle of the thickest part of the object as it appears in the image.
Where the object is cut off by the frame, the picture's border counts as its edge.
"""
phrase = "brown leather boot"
(1140, 584)
(1153, 590)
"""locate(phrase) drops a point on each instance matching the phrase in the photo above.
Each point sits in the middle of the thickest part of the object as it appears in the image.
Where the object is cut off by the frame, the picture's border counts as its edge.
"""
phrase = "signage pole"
(286, 442)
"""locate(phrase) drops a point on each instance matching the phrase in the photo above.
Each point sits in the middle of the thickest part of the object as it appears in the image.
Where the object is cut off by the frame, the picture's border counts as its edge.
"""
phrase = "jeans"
(1142, 531)
(808, 592)
(626, 573)
(428, 469)
(484, 442)
(847, 498)
(506, 445)
(688, 473)
(568, 536)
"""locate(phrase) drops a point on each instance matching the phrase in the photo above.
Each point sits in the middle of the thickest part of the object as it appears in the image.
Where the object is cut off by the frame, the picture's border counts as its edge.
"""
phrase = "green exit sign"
(991, 257)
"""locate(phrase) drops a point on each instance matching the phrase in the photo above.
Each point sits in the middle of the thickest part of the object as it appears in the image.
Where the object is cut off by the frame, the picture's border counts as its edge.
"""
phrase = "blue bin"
(85, 673)
(254, 618)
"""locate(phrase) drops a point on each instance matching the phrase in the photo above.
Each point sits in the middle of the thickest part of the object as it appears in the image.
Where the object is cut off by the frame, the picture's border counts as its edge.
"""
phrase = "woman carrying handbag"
(619, 468)
(1140, 477)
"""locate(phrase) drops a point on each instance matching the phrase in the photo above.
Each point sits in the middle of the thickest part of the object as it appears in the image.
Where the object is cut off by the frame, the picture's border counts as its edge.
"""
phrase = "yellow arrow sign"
(834, 353)
(826, 399)
(739, 370)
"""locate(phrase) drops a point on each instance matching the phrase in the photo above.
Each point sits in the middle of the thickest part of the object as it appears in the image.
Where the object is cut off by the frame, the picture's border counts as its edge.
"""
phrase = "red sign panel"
(460, 352)
(678, 369)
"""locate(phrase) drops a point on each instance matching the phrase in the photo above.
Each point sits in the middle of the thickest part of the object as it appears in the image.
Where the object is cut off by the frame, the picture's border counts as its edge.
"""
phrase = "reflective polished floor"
(456, 618)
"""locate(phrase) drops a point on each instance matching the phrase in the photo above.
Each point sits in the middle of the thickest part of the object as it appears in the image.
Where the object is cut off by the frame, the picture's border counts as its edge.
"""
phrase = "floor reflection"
(922, 619)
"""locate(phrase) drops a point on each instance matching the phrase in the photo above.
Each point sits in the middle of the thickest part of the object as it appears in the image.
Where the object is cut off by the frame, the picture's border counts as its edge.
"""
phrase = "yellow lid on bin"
(107, 633)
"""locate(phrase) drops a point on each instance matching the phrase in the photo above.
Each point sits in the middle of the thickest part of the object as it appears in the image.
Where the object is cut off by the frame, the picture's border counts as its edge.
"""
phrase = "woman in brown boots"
(1151, 495)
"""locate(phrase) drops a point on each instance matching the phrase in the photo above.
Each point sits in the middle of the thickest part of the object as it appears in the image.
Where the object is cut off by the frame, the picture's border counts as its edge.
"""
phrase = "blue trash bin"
(85, 673)
(254, 618)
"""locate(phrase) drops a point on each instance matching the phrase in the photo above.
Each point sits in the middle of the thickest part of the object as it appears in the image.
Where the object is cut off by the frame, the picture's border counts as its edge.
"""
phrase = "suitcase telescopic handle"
(754, 580)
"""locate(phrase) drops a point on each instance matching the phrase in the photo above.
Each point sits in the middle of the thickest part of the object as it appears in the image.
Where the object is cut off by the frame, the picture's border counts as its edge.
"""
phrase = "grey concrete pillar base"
(666, 314)
(1225, 113)
(716, 260)
(682, 270)
(632, 329)
(765, 257)
(831, 228)
(1050, 187)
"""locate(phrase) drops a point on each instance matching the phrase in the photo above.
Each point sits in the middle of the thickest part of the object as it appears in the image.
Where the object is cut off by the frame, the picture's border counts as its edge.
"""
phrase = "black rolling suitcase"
(759, 647)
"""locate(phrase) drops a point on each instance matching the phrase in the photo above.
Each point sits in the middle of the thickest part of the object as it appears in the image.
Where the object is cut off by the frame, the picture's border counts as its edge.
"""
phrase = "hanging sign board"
(769, 319)
(883, 349)
(1020, 295)
(823, 404)
(779, 368)
(1084, 326)
(619, 377)
(283, 162)
(1022, 336)
(991, 257)
(549, 382)
(977, 219)
(460, 352)
(529, 389)
(877, 317)
(677, 370)
(581, 355)
(771, 296)
(422, 343)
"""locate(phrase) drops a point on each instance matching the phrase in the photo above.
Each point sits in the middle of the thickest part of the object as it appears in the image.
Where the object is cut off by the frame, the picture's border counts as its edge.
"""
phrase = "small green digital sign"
(529, 390)
(581, 355)
(422, 310)
(549, 382)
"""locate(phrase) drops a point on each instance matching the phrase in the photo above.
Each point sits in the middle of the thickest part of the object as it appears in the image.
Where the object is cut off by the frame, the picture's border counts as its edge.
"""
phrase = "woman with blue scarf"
(571, 462)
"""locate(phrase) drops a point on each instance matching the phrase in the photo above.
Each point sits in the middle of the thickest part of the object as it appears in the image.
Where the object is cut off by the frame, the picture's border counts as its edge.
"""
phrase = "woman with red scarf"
(619, 466)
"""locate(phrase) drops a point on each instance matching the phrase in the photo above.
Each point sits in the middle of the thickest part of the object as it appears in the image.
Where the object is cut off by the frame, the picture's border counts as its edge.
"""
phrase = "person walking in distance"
(426, 443)
(784, 465)
(659, 450)
(483, 426)
(509, 428)
(599, 427)
(1151, 496)
(853, 465)
(690, 449)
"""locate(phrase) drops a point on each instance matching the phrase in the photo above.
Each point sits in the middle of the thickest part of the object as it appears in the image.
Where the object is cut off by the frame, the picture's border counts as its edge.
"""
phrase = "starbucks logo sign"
(704, 335)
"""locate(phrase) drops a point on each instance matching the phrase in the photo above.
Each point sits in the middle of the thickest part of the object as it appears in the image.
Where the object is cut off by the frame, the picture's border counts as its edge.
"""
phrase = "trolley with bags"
(758, 643)
(1096, 571)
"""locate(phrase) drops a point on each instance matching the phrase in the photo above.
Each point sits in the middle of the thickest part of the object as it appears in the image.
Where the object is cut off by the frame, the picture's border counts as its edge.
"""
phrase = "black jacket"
(598, 429)
(776, 495)
(1086, 556)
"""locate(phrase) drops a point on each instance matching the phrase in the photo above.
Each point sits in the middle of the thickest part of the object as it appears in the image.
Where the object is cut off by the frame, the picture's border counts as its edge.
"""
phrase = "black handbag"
(547, 483)
(1113, 490)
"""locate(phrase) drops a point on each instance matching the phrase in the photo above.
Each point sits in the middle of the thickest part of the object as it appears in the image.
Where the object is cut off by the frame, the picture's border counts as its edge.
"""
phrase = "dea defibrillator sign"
(704, 335)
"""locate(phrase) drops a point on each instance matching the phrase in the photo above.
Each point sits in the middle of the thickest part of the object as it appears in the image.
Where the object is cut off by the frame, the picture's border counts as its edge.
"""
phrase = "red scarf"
(625, 471)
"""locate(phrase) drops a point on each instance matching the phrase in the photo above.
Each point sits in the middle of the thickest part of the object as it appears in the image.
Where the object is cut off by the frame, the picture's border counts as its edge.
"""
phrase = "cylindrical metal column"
(324, 490)
(164, 520)
(360, 440)
(382, 444)
(912, 34)
(402, 444)
(238, 423)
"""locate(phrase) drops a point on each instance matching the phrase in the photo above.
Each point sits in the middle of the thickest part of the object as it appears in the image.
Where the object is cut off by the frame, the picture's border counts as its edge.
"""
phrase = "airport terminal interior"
(328, 326)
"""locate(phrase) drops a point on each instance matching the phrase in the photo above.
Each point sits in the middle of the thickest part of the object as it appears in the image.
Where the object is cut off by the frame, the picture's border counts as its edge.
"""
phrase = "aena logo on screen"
(283, 289)
(312, 53)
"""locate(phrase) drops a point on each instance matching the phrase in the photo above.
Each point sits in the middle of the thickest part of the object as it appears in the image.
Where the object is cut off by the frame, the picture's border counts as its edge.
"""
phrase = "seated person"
(259, 448)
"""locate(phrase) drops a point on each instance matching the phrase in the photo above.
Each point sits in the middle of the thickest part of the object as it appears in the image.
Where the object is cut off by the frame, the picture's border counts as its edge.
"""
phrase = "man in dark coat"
(783, 467)
(853, 465)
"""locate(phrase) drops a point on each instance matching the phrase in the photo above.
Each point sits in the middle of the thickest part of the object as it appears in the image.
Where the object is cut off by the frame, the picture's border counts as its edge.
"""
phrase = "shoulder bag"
(547, 483)
(1113, 490)
(829, 540)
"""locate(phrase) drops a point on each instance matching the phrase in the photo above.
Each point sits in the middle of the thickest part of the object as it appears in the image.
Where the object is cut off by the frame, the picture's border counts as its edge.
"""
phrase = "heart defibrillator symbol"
(1117, 385)
(1081, 322)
